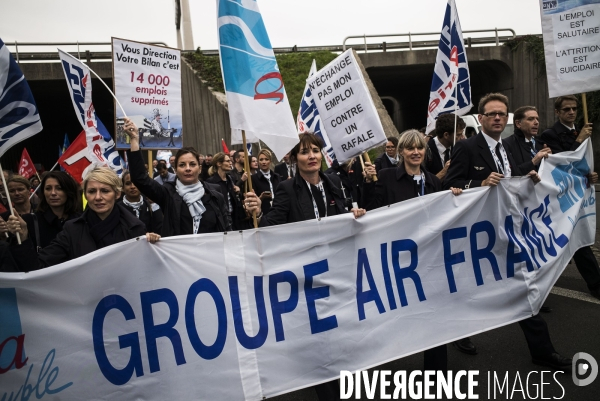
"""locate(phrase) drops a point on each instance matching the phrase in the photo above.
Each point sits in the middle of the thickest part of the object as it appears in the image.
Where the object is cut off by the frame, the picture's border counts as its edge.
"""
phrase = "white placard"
(147, 82)
(346, 107)
(571, 32)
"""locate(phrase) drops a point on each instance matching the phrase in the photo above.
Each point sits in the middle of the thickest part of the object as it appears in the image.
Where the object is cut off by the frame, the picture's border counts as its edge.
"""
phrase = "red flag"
(76, 158)
(26, 167)
(224, 145)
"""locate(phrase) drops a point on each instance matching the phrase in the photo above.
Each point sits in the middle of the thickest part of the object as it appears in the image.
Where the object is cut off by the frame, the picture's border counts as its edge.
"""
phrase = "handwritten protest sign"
(147, 83)
(346, 107)
(572, 45)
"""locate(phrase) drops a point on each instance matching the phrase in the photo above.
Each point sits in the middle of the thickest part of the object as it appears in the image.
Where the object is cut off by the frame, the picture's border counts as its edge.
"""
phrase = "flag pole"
(585, 110)
(12, 212)
(368, 159)
(247, 168)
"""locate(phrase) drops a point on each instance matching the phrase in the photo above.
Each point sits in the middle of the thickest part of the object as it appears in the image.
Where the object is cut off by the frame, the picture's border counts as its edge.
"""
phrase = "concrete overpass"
(402, 79)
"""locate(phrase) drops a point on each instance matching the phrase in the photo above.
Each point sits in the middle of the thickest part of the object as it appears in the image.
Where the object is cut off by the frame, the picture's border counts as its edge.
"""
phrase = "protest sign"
(346, 108)
(571, 31)
(245, 315)
(147, 83)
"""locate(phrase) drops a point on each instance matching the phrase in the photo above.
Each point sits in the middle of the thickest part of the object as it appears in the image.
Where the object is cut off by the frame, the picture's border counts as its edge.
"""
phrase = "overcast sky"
(302, 23)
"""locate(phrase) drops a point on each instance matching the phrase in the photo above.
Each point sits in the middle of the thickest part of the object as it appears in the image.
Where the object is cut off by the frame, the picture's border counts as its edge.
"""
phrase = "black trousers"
(537, 336)
(436, 358)
(588, 267)
(329, 391)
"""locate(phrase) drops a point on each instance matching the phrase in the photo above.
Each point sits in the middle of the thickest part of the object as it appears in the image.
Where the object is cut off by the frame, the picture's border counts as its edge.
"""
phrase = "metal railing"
(410, 44)
(54, 55)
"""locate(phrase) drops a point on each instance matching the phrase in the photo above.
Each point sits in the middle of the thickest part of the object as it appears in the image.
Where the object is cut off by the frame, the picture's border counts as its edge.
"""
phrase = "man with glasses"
(390, 157)
(482, 160)
(561, 137)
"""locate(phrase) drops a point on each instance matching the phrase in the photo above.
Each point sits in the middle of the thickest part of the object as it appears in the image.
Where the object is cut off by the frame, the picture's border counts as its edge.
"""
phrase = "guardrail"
(45, 55)
(410, 44)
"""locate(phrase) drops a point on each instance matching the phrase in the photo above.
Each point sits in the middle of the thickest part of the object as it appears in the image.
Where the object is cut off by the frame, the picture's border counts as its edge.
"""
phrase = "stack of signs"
(147, 82)
(572, 45)
(346, 107)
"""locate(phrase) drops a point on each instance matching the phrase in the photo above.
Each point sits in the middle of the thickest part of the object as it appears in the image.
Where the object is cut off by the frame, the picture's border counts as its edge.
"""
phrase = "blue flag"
(256, 97)
(66, 144)
(451, 85)
(19, 117)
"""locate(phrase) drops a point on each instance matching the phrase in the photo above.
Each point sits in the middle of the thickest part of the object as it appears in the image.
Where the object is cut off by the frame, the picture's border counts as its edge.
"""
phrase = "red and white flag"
(26, 167)
(77, 158)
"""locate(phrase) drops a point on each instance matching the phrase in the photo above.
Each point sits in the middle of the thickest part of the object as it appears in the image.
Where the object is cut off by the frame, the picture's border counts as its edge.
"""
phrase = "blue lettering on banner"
(154, 331)
(238, 319)
(278, 307)
(512, 257)
(386, 277)
(205, 351)
(484, 253)
(572, 181)
(313, 294)
(451, 259)
(401, 273)
(131, 340)
(362, 297)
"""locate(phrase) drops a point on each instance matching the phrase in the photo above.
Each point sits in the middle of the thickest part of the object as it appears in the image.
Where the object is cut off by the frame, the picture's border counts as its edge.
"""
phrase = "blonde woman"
(102, 224)
(265, 181)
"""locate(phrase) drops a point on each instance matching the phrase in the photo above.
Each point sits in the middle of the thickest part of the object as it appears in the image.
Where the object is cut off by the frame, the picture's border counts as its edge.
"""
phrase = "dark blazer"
(293, 202)
(237, 214)
(172, 204)
(282, 170)
(73, 241)
(383, 162)
(395, 185)
(153, 220)
(472, 162)
(49, 226)
(520, 151)
(558, 138)
(260, 184)
(433, 162)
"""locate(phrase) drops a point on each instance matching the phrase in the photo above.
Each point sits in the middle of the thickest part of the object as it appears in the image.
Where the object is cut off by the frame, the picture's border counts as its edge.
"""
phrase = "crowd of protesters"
(196, 194)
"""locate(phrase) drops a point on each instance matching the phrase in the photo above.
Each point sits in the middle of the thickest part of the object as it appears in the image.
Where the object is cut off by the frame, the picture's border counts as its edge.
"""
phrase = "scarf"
(192, 196)
(135, 205)
(104, 231)
(268, 177)
(393, 161)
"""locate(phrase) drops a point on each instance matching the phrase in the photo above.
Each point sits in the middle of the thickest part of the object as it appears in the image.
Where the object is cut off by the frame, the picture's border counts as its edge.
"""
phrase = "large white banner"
(247, 315)
(346, 108)
(571, 31)
(147, 83)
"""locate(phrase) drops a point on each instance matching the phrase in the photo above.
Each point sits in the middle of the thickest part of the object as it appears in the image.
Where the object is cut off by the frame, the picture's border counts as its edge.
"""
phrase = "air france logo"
(572, 182)
(77, 80)
(13, 357)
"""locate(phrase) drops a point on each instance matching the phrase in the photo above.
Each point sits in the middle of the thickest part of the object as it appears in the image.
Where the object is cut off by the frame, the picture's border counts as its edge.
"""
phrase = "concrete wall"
(205, 114)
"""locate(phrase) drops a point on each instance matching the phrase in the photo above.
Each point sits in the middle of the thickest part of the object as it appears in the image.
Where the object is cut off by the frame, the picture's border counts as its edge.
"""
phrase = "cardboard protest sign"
(346, 107)
(147, 83)
(571, 32)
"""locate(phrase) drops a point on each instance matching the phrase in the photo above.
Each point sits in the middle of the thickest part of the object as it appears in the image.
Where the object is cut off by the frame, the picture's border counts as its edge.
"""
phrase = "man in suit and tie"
(522, 143)
(437, 159)
(563, 136)
(287, 169)
(482, 160)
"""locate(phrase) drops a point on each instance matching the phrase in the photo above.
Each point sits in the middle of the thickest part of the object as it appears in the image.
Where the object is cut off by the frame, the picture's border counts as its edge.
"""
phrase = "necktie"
(318, 197)
(574, 132)
(290, 171)
(500, 162)
(446, 155)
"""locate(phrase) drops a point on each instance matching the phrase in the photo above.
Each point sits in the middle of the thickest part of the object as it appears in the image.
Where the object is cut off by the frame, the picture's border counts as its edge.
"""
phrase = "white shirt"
(569, 128)
(492, 145)
(441, 148)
